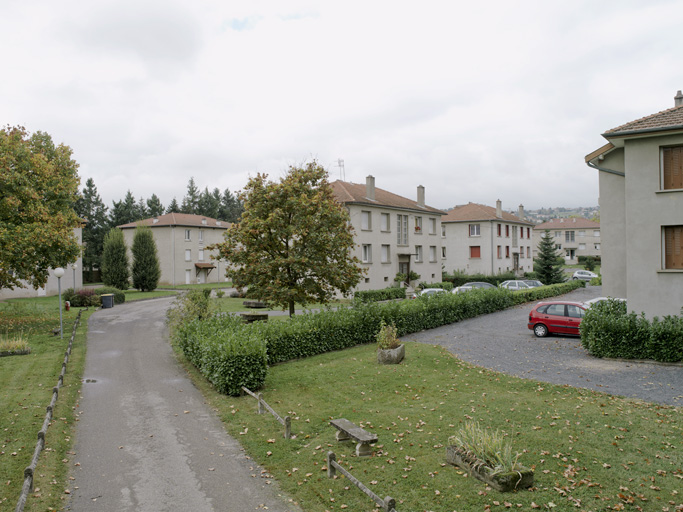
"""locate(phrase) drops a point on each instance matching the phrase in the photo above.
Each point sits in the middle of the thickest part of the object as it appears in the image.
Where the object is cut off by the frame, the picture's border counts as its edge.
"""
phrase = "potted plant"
(389, 350)
(487, 456)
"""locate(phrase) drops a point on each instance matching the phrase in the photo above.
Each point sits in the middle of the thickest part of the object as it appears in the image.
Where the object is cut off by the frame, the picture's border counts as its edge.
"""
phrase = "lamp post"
(59, 272)
(74, 267)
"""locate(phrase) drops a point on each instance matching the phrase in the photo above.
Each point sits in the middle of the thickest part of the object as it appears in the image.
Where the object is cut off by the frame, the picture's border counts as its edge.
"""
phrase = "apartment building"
(573, 237)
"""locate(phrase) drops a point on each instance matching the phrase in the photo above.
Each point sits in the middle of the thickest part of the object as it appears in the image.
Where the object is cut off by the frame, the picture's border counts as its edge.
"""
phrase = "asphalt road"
(501, 341)
(146, 440)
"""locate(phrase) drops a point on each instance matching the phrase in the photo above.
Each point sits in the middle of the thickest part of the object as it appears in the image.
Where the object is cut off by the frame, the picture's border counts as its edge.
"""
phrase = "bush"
(460, 278)
(608, 330)
(446, 285)
(91, 297)
(119, 295)
(187, 307)
(377, 295)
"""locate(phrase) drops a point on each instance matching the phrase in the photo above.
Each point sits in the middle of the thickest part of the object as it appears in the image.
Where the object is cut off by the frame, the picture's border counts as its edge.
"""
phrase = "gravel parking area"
(501, 341)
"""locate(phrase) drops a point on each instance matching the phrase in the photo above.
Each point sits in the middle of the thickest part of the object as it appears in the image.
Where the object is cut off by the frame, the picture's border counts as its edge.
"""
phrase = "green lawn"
(590, 451)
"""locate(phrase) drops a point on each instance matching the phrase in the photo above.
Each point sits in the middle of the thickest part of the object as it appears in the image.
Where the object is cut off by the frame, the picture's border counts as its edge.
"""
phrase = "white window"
(385, 254)
(582, 233)
(201, 235)
(443, 230)
(188, 254)
(418, 224)
(432, 226)
(558, 234)
(596, 232)
(558, 247)
(187, 234)
(597, 247)
(582, 247)
(367, 253)
(432, 253)
(402, 229)
(200, 254)
(443, 252)
(475, 230)
(418, 253)
(568, 236)
(386, 222)
(365, 220)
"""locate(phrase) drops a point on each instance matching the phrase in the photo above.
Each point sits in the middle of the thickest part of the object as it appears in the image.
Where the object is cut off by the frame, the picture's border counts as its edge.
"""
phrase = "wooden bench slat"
(354, 431)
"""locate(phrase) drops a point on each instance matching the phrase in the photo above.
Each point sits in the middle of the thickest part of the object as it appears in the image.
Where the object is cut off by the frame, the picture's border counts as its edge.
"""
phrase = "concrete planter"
(391, 355)
(503, 482)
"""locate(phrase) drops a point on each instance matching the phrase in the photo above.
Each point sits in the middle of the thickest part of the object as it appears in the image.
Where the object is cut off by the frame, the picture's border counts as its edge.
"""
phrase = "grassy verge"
(26, 384)
(590, 451)
(132, 295)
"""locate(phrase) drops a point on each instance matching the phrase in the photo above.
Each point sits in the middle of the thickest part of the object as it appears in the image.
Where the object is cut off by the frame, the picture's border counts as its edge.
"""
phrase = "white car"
(514, 285)
(585, 275)
(428, 292)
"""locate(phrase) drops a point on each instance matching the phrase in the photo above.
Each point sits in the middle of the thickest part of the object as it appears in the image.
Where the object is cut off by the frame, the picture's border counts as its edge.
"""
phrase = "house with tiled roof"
(573, 237)
(181, 240)
(641, 211)
(393, 234)
(480, 239)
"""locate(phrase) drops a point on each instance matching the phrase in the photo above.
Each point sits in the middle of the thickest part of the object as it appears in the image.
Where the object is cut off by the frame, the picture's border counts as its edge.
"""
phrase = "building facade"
(641, 211)
(573, 237)
(393, 234)
(182, 240)
(480, 239)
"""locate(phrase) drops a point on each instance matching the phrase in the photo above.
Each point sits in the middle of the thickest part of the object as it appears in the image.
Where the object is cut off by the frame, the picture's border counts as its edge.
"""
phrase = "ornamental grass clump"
(487, 446)
(14, 344)
(387, 337)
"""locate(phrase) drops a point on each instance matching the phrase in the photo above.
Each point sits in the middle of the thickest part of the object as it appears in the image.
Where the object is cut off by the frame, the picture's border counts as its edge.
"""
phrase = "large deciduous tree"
(548, 265)
(146, 267)
(293, 243)
(115, 260)
(38, 189)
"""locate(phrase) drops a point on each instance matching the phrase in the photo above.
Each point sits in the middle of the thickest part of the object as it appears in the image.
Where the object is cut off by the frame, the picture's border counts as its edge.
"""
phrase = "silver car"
(514, 285)
(585, 275)
(472, 286)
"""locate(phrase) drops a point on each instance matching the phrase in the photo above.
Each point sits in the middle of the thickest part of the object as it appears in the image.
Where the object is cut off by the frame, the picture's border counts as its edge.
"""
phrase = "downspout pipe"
(605, 169)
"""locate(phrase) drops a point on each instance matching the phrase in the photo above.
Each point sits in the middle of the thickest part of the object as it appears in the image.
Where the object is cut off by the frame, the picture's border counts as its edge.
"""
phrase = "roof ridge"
(619, 128)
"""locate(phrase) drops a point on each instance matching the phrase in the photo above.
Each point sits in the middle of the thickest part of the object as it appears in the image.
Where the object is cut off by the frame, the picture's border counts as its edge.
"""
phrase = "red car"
(557, 317)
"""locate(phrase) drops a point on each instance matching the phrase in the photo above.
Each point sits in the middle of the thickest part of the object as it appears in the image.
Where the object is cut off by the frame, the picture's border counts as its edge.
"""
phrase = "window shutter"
(673, 168)
(673, 253)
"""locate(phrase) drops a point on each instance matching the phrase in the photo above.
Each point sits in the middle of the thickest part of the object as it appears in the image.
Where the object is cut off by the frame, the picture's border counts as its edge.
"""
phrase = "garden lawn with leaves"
(590, 451)
(26, 383)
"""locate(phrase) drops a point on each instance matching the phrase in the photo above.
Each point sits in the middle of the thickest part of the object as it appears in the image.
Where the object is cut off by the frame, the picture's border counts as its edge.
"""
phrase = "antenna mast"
(342, 173)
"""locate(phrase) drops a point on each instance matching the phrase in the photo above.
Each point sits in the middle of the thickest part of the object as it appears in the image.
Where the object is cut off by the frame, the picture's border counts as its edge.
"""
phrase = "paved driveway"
(146, 440)
(502, 342)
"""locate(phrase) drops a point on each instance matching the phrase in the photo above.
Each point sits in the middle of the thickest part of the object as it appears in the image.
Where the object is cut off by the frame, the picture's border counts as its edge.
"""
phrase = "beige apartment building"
(393, 234)
(182, 240)
(573, 237)
(480, 239)
(641, 210)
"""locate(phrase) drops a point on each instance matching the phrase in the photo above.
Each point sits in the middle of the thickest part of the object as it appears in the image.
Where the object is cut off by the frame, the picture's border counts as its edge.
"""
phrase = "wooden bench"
(347, 430)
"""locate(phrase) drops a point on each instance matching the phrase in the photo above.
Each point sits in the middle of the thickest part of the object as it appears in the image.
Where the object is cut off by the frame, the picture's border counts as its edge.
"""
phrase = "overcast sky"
(476, 101)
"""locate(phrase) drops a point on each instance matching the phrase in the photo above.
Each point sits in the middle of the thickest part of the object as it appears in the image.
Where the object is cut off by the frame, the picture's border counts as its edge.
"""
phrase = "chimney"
(499, 209)
(370, 187)
(678, 99)
(420, 195)
(520, 211)
(155, 220)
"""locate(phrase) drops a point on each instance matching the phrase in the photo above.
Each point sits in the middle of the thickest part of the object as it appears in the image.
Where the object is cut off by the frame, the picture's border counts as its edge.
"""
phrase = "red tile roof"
(179, 219)
(572, 223)
(664, 120)
(355, 193)
(475, 211)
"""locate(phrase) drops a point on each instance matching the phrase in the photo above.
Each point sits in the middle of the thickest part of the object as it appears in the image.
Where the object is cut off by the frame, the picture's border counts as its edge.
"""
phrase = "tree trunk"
(291, 308)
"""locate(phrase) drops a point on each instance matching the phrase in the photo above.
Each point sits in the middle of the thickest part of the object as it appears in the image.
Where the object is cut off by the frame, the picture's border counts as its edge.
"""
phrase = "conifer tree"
(115, 260)
(146, 268)
(90, 208)
(548, 265)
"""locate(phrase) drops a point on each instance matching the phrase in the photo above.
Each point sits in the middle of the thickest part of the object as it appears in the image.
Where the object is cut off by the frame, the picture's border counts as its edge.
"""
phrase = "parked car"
(428, 292)
(557, 317)
(585, 275)
(474, 285)
(589, 303)
(533, 283)
(514, 285)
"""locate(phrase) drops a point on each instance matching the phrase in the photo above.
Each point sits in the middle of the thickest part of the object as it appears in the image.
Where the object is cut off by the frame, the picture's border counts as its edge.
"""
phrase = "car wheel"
(540, 330)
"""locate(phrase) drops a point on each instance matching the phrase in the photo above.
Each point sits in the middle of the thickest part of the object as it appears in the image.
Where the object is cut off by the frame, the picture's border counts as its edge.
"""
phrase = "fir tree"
(190, 203)
(146, 268)
(154, 206)
(115, 260)
(548, 265)
(173, 207)
(124, 211)
(90, 208)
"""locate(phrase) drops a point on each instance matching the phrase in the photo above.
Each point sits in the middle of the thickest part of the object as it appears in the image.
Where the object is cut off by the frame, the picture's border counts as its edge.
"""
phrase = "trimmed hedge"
(228, 354)
(378, 295)
(458, 278)
(85, 297)
(446, 285)
(608, 330)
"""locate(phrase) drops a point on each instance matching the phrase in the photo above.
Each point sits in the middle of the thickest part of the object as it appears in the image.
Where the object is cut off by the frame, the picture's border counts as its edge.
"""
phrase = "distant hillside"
(545, 214)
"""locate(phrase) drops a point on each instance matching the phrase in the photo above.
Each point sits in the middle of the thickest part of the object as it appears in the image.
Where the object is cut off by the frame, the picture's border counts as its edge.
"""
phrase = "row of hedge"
(231, 354)
(379, 295)
(91, 296)
(459, 278)
(608, 330)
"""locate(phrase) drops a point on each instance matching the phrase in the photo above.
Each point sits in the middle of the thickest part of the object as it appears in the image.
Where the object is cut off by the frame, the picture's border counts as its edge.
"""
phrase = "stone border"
(28, 472)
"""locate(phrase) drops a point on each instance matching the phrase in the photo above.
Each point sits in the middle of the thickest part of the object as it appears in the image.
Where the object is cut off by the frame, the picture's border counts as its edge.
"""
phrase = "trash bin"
(107, 300)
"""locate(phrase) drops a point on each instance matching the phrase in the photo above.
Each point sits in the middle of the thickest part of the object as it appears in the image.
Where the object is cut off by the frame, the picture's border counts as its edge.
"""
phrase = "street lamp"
(59, 272)
(74, 267)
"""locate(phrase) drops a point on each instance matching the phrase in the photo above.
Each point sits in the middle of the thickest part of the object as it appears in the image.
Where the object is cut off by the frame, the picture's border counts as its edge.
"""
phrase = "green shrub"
(460, 278)
(543, 292)
(119, 295)
(194, 304)
(386, 337)
(445, 285)
(608, 330)
(377, 295)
